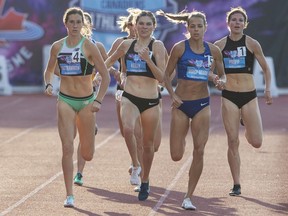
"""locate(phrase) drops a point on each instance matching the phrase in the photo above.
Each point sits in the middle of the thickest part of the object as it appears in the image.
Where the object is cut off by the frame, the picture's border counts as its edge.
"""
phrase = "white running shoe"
(187, 204)
(130, 169)
(134, 179)
(69, 202)
(137, 188)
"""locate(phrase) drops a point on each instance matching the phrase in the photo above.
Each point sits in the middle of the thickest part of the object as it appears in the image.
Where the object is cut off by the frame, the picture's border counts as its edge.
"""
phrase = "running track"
(31, 181)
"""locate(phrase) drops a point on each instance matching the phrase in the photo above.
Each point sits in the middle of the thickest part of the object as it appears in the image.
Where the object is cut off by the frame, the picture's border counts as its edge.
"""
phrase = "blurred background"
(29, 27)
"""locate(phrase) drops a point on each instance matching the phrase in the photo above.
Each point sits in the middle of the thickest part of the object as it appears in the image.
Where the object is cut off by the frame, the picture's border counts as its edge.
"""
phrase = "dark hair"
(73, 10)
(237, 10)
(86, 29)
(146, 13)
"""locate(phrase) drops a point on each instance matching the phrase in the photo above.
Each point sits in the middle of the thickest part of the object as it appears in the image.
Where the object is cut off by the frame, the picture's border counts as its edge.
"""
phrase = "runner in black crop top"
(134, 65)
(239, 101)
(237, 57)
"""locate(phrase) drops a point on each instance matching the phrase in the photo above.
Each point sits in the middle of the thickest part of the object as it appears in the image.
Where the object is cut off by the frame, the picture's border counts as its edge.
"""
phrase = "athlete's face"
(236, 23)
(74, 24)
(196, 28)
(131, 29)
(145, 26)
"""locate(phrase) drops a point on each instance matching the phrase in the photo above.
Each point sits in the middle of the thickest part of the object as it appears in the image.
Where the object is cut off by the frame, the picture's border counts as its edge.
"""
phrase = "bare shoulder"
(119, 40)
(252, 43)
(158, 44)
(179, 45)
(213, 47)
(102, 50)
(215, 50)
(178, 48)
(126, 43)
(221, 43)
(88, 43)
(100, 45)
(56, 46)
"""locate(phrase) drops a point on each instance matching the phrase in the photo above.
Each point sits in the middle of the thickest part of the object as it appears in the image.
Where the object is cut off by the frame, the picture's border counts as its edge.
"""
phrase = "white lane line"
(174, 181)
(24, 132)
(107, 139)
(171, 186)
(36, 190)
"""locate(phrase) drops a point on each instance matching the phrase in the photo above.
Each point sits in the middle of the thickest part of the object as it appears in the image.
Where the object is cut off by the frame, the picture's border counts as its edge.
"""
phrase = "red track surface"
(32, 181)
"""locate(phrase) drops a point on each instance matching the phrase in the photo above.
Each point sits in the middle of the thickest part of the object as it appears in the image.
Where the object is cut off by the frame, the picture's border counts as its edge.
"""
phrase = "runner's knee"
(176, 156)
(87, 156)
(256, 142)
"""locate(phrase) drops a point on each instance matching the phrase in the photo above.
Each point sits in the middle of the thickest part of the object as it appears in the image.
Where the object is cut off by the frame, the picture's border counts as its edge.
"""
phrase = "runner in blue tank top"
(190, 100)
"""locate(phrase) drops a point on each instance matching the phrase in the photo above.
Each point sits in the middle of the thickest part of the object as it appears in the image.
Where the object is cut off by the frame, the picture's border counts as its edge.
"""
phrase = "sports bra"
(237, 58)
(134, 65)
(193, 66)
(72, 62)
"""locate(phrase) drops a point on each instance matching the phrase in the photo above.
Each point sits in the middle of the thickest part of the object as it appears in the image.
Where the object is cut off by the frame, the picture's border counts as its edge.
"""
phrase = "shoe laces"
(135, 171)
(70, 199)
(144, 187)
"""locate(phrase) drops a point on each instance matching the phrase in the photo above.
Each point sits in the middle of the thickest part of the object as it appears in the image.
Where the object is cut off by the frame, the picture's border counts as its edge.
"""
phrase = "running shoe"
(134, 178)
(187, 204)
(235, 191)
(78, 179)
(144, 191)
(130, 169)
(69, 202)
(137, 188)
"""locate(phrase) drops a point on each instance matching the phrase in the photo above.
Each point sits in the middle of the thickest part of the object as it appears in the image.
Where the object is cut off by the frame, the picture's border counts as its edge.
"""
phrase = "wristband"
(47, 85)
(98, 101)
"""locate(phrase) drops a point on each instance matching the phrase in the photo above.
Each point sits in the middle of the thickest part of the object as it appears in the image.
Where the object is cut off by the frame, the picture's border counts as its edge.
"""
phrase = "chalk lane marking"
(39, 188)
(174, 181)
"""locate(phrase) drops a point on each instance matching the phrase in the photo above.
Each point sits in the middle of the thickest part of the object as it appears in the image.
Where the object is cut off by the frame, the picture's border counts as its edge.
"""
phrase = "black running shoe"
(144, 191)
(235, 191)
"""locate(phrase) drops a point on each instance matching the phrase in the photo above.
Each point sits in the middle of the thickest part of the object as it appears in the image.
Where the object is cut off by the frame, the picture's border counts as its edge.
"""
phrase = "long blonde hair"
(87, 31)
(125, 21)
